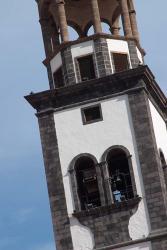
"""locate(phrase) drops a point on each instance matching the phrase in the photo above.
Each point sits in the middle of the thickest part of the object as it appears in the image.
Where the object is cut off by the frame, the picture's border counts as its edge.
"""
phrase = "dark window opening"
(120, 178)
(164, 165)
(86, 67)
(91, 114)
(162, 158)
(88, 191)
(121, 62)
(58, 78)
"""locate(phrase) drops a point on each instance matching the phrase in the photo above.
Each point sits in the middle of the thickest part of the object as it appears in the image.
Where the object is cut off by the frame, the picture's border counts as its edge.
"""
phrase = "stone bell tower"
(103, 129)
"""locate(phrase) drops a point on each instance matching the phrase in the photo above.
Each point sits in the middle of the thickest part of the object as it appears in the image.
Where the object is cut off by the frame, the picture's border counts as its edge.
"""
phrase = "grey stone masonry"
(68, 67)
(50, 76)
(102, 57)
(133, 54)
(54, 179)
(152, 172)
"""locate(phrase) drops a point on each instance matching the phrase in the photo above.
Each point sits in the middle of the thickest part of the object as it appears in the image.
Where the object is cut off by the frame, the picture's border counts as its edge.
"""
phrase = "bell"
(118, 179)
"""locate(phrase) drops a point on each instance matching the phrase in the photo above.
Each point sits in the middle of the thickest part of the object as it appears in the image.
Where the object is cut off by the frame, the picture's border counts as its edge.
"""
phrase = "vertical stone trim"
(50, 77)
(78, 75)
(96, 16)
(156, 198)
(74, 189)
(125, 18)
(107, 185)
(102, 57)
(133, 54)
(46, 33)
(55, 185)
(68, 66)
(133, 20)
(62, 20)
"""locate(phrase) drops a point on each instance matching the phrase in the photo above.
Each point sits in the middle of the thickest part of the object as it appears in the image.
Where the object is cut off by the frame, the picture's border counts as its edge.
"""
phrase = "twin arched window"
(92, 182)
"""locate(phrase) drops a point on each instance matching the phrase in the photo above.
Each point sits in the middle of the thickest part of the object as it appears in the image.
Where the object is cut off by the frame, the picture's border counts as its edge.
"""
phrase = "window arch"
(164, 165)
(162, 158)
(85, 182)
(120, 173)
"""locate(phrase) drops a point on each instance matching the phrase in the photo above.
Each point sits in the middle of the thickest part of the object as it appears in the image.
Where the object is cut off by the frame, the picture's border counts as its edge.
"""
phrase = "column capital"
(60, 1)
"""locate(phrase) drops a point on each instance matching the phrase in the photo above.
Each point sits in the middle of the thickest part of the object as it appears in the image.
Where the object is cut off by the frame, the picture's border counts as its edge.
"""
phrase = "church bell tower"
(103, 129)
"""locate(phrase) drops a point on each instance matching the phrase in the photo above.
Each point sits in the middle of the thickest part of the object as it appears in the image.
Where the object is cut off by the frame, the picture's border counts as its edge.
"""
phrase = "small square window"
(120, 61)
(92, 114)
(86, 68)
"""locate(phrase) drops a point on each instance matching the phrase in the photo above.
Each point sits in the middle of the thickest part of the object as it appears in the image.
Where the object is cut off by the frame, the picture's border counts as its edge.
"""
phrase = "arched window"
(162, 159)
(87, 185)
(73, 34)
(106, 27)
(164, 165)
(119, 175)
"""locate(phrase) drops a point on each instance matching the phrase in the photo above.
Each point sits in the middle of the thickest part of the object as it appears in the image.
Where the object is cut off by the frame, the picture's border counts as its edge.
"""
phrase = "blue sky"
(25, 221)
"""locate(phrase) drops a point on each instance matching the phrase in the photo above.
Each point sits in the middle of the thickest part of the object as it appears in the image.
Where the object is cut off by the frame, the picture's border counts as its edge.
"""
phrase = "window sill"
(113, 208)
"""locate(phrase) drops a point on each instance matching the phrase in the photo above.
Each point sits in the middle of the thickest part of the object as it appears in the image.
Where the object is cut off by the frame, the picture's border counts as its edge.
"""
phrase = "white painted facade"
(160, 129)
(85, 48)
(56, 62)
(75, 138)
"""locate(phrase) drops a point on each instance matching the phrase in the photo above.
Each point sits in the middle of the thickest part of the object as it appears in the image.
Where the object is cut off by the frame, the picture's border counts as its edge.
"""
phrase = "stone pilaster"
(61, 224)
(68, 67)
(102, 57)
(151, 169)
(133, 54)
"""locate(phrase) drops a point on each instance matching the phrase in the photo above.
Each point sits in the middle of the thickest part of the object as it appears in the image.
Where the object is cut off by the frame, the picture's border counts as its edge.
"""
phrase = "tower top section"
(105, 51)
(82, 14)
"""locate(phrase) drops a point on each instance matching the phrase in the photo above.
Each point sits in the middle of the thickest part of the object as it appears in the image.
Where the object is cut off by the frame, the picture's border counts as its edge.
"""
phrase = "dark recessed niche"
(91, 114)
(121, 62)
(58, 78)
(86, 67)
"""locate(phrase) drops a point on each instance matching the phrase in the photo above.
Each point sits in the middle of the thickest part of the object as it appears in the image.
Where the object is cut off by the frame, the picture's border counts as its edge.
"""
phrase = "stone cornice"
(99, 89)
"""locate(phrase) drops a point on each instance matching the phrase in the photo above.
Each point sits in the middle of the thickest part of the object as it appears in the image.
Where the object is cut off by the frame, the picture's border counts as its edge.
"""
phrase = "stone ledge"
(104, 210)
(153, 236)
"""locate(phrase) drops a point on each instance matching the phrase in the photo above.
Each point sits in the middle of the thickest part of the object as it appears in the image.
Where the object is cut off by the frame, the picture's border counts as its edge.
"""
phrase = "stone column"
(62, 21)
(125, 18)
(115, 28)
(133, 20)
(96, 16)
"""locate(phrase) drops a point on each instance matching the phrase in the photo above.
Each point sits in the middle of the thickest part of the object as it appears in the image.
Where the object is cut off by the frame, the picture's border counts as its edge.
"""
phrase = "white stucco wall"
(160, 129)
(56, 62)
(75, 138)
(139, 55)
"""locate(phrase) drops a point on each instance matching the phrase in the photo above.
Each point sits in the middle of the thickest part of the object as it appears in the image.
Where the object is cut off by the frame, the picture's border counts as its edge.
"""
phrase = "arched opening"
(106, 28)
(73, 34)
(90, 31)
(119, 175)
(87, 185)
(162, 159)
(164, 165)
